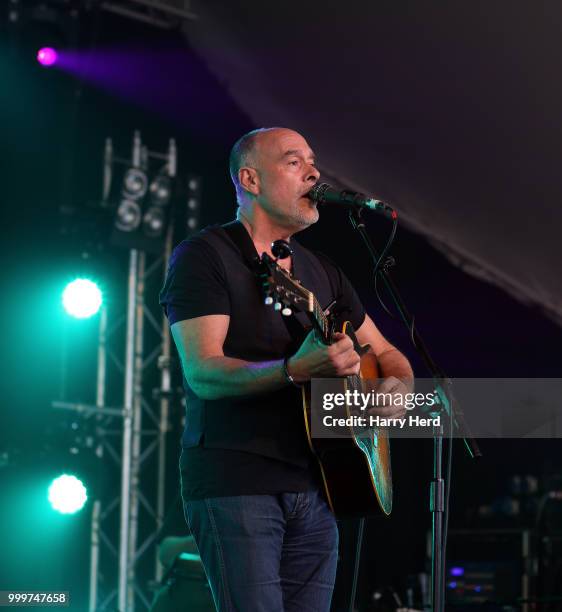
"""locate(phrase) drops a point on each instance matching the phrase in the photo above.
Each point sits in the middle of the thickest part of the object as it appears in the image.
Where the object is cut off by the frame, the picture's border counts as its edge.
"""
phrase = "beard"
(294, 215)
(303, 215)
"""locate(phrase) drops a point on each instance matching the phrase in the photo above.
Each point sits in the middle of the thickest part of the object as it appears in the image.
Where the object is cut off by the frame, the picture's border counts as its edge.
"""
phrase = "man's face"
(286, 172)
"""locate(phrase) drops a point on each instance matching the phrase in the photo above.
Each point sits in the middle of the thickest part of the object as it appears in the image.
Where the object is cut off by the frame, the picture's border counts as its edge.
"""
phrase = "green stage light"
(67, 494)
(82, 298)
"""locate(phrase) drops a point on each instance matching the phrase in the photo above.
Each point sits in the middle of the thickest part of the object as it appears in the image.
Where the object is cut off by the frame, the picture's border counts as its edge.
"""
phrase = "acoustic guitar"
(355, 468)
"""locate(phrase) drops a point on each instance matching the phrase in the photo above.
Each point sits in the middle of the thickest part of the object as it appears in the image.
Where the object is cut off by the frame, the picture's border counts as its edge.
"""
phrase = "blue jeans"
(267, 553)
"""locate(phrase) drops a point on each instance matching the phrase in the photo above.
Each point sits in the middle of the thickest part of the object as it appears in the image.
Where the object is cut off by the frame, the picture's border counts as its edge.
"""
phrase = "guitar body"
(356, 471)
(355, 468)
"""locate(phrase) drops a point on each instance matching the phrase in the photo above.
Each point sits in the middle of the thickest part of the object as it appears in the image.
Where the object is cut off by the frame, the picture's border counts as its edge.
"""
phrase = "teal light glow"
(82, 298)
(67, 494)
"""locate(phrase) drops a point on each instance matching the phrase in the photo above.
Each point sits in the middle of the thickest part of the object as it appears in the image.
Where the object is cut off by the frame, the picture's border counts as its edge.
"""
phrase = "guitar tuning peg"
(286, 312)
(277, 306)
(268, 300)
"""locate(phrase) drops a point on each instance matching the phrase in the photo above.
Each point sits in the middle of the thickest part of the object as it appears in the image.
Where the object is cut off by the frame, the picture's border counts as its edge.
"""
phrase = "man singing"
(250, 483)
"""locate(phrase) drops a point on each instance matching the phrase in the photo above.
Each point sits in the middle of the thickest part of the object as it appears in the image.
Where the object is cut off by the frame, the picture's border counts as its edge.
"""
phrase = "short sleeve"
(348, 305)
(195, 283)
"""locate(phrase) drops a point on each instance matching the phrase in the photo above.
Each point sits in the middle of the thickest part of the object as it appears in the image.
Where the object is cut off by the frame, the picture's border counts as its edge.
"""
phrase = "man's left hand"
(392, 406)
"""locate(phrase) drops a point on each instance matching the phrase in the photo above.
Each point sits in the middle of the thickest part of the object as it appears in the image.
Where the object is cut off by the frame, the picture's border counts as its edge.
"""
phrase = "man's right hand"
(314, 359)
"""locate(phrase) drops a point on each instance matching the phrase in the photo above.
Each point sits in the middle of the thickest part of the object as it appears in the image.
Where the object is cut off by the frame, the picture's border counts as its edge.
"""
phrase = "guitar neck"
(320, 321)
(279, 286)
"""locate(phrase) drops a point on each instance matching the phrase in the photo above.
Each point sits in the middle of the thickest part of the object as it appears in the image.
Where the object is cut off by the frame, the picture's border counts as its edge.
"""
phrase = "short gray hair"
(241, 152)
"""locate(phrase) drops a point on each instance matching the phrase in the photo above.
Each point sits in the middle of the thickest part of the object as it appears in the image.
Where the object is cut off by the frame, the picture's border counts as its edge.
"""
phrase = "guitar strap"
(240, 237)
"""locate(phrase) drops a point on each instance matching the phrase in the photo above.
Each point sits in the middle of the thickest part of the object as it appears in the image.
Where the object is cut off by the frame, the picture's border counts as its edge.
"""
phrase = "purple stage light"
(46, 56)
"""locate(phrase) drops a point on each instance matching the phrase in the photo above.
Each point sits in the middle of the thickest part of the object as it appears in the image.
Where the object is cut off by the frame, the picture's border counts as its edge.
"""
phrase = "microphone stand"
(437, 486)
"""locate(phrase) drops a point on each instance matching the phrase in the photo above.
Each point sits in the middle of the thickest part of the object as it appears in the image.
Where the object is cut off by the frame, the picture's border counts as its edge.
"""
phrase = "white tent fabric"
(452, 112)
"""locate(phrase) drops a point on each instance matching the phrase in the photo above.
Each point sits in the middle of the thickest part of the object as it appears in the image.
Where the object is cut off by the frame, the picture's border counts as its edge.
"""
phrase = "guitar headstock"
(281, 289)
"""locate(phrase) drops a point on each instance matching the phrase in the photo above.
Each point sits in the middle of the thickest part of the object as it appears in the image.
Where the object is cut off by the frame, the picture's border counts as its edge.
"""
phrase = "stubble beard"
(304, 218)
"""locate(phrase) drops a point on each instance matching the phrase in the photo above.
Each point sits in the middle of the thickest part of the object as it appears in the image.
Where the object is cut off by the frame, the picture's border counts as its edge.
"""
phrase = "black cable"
(413, 331)
(356, 564)
(387, 245)
(447, 497)
(388, 263)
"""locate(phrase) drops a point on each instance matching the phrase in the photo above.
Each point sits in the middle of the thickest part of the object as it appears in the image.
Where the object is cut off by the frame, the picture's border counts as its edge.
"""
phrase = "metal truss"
(160, 13)
(141, 425)
(136, 511)
(164, 14)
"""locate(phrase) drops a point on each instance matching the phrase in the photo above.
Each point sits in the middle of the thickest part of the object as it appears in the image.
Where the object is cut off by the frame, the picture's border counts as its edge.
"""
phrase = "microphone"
(322, 193)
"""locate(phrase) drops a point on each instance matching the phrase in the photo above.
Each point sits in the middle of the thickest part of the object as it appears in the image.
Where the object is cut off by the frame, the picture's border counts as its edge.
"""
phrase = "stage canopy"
(452, 112)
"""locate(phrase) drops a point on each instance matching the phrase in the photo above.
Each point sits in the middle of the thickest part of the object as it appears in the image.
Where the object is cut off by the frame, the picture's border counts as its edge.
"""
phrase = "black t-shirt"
(254, 444)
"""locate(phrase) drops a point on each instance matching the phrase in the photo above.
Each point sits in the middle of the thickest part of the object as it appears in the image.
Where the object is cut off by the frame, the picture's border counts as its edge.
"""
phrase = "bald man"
(251, 486)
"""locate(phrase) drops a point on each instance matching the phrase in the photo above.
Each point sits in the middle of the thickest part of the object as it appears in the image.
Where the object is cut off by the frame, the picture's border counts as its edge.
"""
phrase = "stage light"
(193, 203)
(135, 183)
(160, 190)
(67, 494)
(154, 222)
(129, 216)
(82, 298)
(46, 56)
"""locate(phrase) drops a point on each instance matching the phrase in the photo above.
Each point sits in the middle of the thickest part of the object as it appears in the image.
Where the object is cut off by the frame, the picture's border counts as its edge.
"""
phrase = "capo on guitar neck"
(337, 312)
(332, 316)
(327, 309)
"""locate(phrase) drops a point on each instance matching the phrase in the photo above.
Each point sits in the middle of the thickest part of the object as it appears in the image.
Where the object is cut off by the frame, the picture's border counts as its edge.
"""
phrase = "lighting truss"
(163, 14)
(133, 435)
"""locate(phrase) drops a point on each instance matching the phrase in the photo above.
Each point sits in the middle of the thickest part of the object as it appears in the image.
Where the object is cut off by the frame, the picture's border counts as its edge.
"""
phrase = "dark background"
(53, 132)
